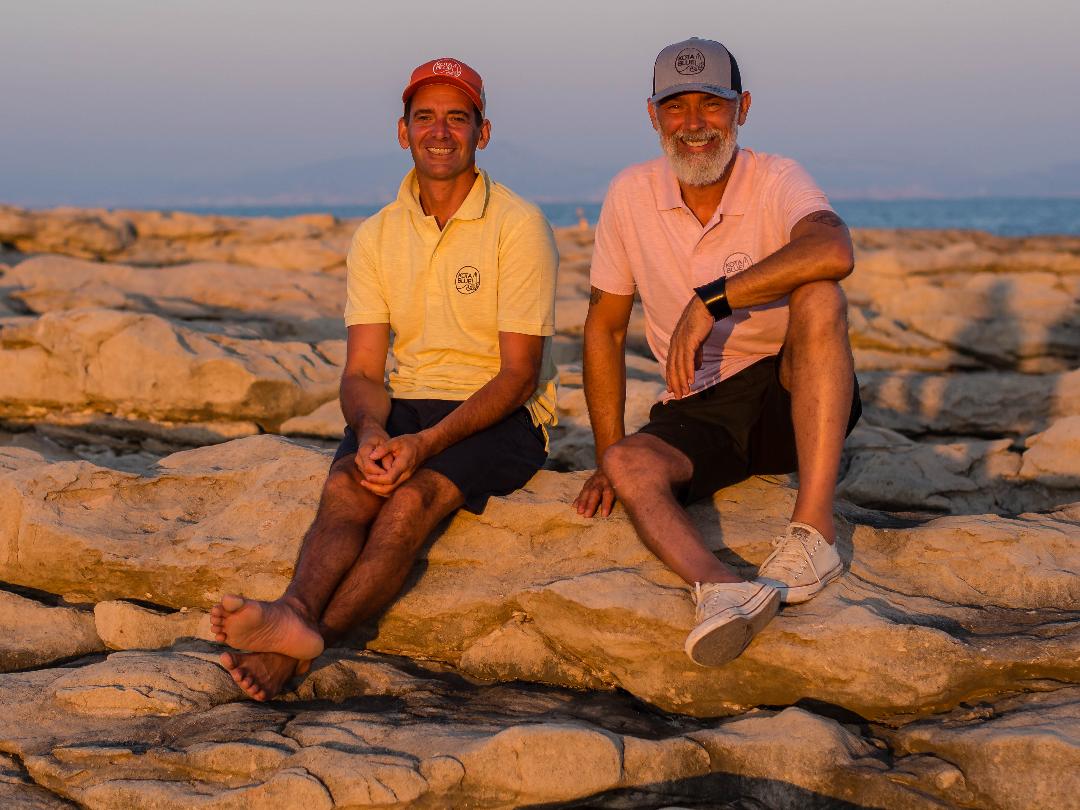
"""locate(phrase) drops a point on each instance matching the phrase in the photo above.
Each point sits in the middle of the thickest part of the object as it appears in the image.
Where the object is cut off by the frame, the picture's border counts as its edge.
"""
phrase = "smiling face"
(698, 133)
(442, 133)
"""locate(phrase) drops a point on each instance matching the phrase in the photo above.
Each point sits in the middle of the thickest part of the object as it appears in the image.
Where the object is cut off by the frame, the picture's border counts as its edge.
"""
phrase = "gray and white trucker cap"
(696, 66)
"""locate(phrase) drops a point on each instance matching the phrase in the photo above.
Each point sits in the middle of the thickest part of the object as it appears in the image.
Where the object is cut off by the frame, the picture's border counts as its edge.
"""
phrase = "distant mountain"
(374, 179)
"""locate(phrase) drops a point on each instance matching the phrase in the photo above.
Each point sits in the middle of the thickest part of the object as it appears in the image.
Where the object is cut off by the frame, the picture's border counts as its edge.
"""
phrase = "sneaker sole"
(726, 635)
(804, 593)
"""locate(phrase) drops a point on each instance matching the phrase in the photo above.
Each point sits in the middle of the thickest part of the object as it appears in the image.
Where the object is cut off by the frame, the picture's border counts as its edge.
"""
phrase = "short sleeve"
(610, 270)
(796, 195)
(365, 299)
(528, 262)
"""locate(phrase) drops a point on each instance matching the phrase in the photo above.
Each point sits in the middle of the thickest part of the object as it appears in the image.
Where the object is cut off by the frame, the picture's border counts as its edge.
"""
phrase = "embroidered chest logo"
(689, 61)
(467, 280)
(736, 263)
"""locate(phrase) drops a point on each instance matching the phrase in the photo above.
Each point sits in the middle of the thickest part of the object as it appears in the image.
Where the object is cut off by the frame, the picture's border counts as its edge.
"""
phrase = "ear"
(485, 134)
(744, 107)
(652, 114)
(402, 133)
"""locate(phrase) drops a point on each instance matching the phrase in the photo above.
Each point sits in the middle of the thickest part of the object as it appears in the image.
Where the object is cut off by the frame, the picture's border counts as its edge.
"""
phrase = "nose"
(441, 129)
(694, 118)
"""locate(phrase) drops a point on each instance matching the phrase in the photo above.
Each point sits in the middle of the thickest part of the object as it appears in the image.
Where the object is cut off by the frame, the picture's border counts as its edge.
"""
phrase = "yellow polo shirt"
(448, 293)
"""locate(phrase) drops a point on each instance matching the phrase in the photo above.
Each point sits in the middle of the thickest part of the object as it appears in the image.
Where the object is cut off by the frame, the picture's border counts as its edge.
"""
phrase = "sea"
(1004, 216)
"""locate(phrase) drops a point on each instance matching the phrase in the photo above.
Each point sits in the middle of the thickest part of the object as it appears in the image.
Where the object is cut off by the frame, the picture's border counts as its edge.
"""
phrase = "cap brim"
(695, 87)
(450, 80)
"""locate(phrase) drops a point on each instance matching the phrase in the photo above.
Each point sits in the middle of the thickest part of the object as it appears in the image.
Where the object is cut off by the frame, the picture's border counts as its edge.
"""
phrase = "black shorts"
(495, 461)
(737, 428)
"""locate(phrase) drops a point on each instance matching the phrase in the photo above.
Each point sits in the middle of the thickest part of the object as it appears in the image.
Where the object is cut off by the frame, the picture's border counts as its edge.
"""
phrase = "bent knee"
(411, 498)
(632, 463)
(819, 303)
(344, 497)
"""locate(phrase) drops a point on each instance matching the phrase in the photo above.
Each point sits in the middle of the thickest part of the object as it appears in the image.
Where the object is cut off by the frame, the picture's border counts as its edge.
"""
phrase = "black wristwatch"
(714, 296)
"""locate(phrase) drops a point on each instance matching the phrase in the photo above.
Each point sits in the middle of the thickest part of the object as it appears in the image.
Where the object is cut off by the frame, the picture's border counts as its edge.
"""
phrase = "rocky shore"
(168, 409)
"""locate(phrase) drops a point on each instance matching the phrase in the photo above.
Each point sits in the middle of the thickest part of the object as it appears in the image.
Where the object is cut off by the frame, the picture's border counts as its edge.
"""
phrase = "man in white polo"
(736, 256)
(462, 271)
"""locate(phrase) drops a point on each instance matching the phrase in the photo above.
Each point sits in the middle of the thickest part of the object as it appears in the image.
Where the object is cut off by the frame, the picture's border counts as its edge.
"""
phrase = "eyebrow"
(431, 111)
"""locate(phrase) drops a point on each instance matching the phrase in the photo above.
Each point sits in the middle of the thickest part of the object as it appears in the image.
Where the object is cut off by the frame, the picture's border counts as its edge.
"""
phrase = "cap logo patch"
(736, 263)
(447, 67)
(467, 280)
(689, 61)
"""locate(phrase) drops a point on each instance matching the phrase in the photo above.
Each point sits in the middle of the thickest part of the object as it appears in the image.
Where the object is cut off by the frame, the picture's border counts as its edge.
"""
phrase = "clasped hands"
(388, 463)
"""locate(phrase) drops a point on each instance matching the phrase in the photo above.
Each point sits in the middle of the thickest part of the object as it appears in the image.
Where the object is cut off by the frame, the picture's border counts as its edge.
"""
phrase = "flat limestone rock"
(1053, 456)
(71, 231)
(310, 242)
(973, 404)
(531, 591)
(1022, 320)
(33, 634)
(886, 470)
(1023, 752)
(326, 422)
(209, 521)
(362, 730)
(18, 791)
(127, 626)
(140, 365)
(291, 304)
(133, 684)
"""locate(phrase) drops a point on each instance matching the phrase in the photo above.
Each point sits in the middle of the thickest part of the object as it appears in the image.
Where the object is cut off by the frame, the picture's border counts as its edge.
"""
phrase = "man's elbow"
(524, 382)
(839, 260)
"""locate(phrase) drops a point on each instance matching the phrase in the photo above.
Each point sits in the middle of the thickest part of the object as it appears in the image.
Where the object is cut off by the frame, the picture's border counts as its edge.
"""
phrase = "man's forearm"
(604, 372)
(498, 398)
(801, 261)
(364, 402)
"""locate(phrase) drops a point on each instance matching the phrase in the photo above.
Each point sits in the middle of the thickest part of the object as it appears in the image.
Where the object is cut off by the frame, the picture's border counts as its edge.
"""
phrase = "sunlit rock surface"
(535, 657)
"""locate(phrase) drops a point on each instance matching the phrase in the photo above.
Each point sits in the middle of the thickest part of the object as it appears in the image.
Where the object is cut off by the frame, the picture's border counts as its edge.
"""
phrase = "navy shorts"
(737, 428)
(494, 461)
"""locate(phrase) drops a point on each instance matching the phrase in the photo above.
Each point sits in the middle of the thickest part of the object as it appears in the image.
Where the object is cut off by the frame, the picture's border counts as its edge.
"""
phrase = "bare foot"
(273, 627)
(262, 675)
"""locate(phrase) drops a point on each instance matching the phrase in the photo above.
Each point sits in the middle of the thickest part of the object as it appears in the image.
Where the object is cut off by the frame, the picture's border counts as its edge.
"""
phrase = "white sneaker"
(729, 614)
(802, 564)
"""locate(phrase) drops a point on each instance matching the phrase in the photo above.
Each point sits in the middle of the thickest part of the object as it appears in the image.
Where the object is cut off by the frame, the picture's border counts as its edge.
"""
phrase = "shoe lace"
(705, 598)
(791, 555)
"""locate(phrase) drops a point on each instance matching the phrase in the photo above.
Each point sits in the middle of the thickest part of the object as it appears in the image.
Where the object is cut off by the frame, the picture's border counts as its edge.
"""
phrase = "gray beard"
(699, 170)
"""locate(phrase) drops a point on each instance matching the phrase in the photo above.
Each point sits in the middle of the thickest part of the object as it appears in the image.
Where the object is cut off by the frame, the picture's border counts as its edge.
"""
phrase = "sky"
(138, 101)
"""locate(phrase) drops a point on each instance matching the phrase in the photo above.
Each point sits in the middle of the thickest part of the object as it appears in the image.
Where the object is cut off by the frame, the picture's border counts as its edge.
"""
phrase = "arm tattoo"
(827, 218)
(595, 296)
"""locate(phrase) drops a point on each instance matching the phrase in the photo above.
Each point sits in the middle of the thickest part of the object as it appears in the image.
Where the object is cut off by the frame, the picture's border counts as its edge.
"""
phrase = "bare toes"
(230, 603)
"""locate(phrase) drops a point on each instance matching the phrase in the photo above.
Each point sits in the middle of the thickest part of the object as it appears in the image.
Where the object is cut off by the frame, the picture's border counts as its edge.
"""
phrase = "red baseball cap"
(448, 71)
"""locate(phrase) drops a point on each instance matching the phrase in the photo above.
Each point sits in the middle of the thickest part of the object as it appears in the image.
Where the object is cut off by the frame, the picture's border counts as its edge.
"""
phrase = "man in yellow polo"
(462, 271)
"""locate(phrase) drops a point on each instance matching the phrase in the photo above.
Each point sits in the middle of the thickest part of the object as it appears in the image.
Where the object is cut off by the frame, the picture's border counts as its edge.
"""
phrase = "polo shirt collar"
(735, 197)
(473, 207)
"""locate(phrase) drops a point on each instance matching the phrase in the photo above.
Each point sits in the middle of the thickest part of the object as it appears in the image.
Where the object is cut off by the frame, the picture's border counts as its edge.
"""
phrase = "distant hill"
(375, 179)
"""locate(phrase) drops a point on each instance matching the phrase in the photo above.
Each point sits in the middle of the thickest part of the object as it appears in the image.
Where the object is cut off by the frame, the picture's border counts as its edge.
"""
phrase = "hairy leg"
(643, 471)
(288, 625)
(818, 370)
(398, 533)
